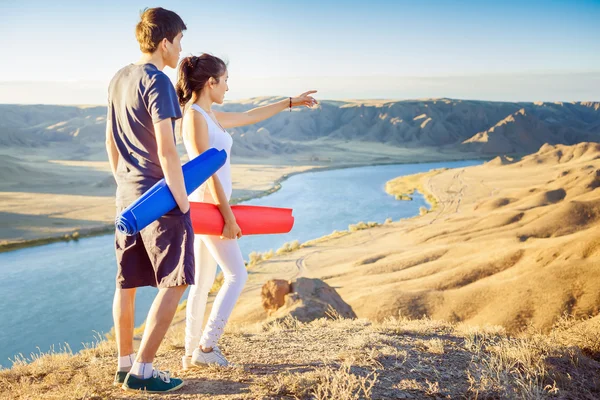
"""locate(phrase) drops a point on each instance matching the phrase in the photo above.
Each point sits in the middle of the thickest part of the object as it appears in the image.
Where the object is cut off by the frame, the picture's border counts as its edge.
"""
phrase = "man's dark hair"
(155, 25)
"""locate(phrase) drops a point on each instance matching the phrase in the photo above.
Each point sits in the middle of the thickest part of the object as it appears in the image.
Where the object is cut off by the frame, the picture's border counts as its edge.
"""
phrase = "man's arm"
(111, 149)
(170, 164)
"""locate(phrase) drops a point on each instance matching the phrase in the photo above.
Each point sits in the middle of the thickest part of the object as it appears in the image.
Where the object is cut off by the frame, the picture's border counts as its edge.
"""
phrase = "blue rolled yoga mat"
(158, 200)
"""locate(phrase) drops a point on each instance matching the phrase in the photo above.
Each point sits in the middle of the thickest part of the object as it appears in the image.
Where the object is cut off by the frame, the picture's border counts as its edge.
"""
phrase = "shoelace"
(163, 375)
(219, 355)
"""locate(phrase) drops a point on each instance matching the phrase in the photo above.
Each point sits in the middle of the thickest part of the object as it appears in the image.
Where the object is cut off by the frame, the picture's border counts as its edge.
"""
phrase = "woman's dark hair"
(194, 72)
(155, 25)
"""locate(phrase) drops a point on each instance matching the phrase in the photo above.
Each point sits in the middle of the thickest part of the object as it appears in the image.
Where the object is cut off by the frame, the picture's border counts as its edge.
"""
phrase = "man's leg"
(170, 247)
(123, 315)
(134, 269)
(159, 319)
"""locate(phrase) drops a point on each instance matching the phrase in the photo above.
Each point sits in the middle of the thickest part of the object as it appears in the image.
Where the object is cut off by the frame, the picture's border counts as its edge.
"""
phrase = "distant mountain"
(256, 143)
(487, 127)
(38, 125)
(529, 128)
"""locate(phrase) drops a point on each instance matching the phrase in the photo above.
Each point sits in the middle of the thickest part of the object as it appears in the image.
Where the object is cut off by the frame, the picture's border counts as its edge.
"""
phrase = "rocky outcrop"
(307, 300)
(273, 294)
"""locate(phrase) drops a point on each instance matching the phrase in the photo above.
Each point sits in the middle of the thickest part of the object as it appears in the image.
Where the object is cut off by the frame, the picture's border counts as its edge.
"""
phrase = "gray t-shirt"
(138, 97)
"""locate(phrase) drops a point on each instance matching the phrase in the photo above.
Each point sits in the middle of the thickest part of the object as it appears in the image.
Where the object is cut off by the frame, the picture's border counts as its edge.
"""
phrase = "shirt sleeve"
(162, 99)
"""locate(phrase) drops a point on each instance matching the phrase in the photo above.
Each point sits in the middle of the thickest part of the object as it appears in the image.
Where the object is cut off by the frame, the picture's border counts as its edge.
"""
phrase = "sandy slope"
(509, 244)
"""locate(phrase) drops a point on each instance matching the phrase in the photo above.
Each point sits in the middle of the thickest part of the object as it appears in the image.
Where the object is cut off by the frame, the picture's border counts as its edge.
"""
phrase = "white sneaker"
(186, 361)
(215, 357)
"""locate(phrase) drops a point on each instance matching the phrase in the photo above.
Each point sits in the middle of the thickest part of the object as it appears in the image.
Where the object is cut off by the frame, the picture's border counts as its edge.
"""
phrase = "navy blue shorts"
(160, 255)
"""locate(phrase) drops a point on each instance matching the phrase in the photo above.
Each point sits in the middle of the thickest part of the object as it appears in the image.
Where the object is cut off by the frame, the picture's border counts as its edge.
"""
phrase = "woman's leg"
(229, 257)
(206, 269)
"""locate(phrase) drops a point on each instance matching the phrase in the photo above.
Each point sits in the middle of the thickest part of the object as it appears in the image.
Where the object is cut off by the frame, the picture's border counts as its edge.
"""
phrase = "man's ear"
(163, 44)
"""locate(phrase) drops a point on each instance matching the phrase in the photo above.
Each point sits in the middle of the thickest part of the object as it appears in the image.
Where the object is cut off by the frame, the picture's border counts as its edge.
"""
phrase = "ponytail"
(183, 87)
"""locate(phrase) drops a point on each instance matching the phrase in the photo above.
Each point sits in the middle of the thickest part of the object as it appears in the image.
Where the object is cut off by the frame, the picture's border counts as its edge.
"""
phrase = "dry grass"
(362, 226)
(341, 359)
(288, 247)
(256, 257)
(328, 382)
(583, 333)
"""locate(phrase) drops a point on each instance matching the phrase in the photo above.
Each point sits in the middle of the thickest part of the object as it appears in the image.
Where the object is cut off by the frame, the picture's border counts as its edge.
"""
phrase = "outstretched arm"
(235, 119)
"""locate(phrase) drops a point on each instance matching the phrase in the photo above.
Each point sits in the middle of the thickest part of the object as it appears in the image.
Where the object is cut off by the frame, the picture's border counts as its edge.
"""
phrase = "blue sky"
(345, 49)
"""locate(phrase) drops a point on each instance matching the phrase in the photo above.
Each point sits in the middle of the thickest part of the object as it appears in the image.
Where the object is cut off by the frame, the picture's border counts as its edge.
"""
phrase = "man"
(142, 109)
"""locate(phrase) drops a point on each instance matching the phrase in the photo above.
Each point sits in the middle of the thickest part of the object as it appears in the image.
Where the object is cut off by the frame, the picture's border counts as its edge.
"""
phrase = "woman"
(202, 81)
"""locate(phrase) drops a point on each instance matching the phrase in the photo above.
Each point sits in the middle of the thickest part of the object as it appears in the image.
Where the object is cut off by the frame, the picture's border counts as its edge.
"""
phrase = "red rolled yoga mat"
(252, 220)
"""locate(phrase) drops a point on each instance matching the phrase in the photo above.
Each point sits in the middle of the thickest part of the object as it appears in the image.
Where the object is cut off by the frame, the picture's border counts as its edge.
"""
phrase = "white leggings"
(210, 250)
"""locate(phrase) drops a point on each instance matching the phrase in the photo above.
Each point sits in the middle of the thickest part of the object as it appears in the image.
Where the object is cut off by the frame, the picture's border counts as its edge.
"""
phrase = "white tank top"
(220, 140)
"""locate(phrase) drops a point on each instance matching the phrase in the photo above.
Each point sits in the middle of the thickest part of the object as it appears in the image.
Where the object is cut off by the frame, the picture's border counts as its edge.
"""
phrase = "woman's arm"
(235, 119)
(198, 138)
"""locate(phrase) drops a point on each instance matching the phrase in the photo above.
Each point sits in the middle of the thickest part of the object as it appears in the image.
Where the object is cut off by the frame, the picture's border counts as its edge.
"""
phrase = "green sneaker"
(119, 378)
(160, 382)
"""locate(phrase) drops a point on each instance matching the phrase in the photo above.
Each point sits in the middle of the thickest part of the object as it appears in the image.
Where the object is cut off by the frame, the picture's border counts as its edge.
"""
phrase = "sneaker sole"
(127, 389)
(204, 365)
(200, 365)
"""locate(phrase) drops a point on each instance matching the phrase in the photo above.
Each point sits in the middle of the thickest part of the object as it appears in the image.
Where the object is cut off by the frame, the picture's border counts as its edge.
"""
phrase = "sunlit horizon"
(514, 51)
(541, 87)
